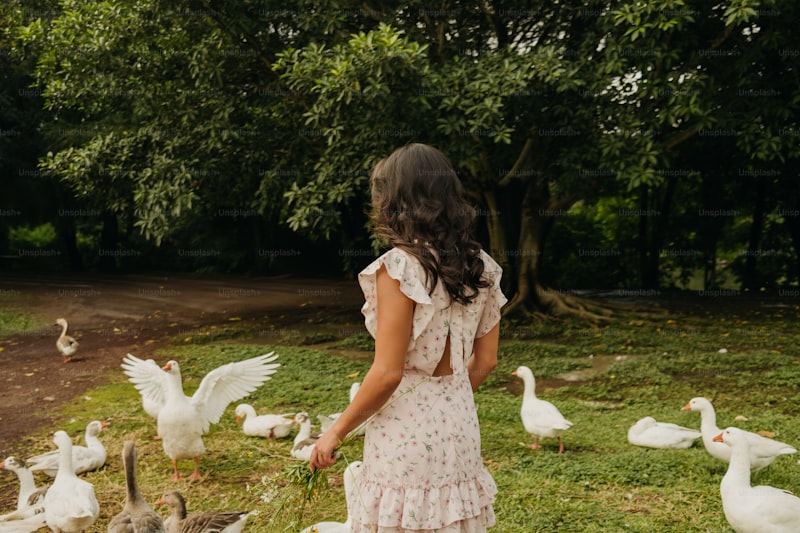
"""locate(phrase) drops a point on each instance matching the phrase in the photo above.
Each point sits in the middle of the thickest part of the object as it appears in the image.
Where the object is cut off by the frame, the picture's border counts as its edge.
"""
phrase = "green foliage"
(243, 124)
(379, 73)
(26, 237)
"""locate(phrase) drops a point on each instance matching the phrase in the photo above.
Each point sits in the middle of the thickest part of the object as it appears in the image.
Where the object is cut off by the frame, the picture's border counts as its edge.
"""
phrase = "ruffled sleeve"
(495, 299)
(407, 270)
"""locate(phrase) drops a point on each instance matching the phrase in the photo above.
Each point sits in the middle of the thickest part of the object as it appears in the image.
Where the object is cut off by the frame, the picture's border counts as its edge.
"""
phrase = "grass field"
(747, 365)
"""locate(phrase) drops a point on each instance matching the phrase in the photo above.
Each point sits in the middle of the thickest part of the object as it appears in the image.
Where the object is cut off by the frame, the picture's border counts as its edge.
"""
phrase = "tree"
(543, 107)
(540, 108)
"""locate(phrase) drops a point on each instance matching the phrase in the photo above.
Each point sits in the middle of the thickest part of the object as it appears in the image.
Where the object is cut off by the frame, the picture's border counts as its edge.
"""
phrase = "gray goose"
(136, 515)
(201, 521)
(65, 344)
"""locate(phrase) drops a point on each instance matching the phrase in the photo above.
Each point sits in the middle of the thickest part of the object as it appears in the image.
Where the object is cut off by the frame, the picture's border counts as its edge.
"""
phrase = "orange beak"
(3, 464)
(687, 407)
(104, 424)
(238, 418)
(514, 373)
(718, 438)
(167, 367)
(160, 501)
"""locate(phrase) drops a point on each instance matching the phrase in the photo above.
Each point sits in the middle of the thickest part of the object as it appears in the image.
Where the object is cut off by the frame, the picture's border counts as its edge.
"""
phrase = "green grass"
(13, 321)
(601, 483)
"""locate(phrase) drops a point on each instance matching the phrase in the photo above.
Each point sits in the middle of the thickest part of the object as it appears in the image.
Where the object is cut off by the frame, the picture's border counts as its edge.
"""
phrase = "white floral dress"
(422, 452)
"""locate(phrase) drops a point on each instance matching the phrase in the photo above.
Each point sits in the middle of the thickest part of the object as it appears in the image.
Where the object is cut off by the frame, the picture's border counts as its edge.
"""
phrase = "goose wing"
(148, 378)
(231, 382)
(210, 522)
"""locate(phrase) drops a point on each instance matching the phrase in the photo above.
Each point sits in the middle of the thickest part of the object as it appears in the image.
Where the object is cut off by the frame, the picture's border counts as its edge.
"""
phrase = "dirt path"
(111, 316)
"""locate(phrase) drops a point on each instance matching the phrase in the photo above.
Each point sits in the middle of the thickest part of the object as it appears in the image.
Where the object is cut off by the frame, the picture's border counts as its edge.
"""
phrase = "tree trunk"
(532, 296)
(644, 230)
(109, 237)
(710, 268)
(494, 227)
(792, 224)
(65, 229)
(660, 218)
(749, 277)
(257, 264)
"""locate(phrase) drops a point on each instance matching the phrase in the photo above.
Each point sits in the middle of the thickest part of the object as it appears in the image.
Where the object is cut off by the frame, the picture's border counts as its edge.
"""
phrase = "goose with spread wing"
(183, 420)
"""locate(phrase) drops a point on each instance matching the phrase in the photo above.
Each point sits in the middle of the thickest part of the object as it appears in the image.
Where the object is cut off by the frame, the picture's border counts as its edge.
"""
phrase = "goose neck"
(304, 432)
(738, 473)
(27, 484)
(65, 467)
(708, 419)
(130, 476)
(529, 386)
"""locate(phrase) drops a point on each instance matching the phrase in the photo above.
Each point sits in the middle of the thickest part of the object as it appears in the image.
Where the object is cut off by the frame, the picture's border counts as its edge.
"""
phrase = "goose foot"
(195, 475)
(535, 445)
(176, 475)
(67, 359)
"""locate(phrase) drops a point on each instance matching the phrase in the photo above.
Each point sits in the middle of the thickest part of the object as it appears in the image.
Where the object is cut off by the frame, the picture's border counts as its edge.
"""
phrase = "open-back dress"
(422, 466)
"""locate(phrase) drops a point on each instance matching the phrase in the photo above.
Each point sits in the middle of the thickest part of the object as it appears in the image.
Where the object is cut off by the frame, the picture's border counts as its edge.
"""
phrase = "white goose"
(70, 504)
(351, 473)
(201, 521)
(763, 451)
(269, 426)
(84, 458)
(540, 417)
(136, 516)
(753, 509)
(651, 434)
(303, 441)
(65, 344)
(182, 420)
(30, 500)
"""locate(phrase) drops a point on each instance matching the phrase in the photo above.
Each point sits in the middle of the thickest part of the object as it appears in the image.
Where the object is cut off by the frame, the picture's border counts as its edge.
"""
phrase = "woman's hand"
(324, 453)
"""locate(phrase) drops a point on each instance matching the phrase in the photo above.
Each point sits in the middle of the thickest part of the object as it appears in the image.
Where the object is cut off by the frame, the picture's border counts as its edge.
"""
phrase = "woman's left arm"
(395, 312)
(484, 357)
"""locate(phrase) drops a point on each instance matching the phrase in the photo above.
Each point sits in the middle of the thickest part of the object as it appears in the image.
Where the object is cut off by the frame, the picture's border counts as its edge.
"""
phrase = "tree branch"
(681, 137)
(527, 151)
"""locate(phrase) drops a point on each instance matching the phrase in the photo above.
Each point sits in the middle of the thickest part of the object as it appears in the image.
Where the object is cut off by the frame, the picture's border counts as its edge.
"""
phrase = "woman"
(433, 306)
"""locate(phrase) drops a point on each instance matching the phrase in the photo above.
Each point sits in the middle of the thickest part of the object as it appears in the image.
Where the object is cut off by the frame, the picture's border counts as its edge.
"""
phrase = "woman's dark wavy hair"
(418, 205)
